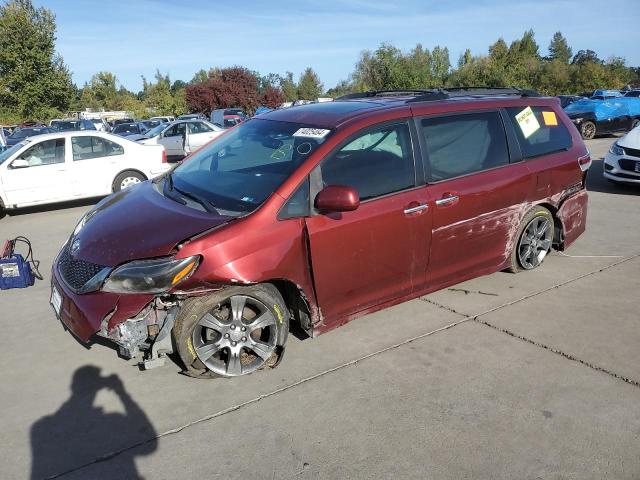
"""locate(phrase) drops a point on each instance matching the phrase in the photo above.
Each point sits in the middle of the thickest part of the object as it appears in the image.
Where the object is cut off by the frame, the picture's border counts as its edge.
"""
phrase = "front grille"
(626, 175)
(629, 165)
(76, 273)
(632, 152)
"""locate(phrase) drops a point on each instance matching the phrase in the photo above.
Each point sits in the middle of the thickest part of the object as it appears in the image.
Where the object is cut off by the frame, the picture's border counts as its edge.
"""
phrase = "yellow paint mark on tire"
(278, 313)
(191, 349)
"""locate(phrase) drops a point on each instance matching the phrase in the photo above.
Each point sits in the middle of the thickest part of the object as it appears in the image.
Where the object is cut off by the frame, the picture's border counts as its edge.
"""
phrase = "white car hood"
(631, 139)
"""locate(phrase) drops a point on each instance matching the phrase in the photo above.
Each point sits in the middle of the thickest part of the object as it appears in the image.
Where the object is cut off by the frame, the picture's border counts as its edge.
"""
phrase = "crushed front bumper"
(83, 314)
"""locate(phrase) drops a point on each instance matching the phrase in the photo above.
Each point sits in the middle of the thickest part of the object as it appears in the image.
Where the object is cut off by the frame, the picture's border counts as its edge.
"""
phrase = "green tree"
(289, 87)
(559, 49)
(440, 65)
(309, 85)
(34, 79)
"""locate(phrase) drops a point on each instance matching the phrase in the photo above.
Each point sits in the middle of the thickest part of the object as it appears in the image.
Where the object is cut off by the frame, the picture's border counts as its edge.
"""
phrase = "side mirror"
(337, 198)
(20, 163)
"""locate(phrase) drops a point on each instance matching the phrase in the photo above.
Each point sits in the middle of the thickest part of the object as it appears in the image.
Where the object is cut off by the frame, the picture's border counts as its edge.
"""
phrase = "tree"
(309, 85)
(528, 45)
(585, 56)
(289, 87)
(227, 87)
(34, 80)
(440, 65)
(272, 97)
(559, 49)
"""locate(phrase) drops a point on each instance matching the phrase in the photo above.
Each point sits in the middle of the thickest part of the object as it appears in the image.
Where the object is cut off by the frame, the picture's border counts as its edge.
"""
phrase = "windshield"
(28, 132)
(155, 131)
(238, 172)
(11, 150)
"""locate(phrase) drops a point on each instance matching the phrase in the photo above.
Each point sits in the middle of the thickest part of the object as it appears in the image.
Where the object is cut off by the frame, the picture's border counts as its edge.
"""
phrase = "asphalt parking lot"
(535, 375)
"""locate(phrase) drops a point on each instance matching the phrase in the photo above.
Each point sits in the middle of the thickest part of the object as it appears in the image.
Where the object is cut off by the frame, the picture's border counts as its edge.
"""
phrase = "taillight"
(164, 156)
(584, 162)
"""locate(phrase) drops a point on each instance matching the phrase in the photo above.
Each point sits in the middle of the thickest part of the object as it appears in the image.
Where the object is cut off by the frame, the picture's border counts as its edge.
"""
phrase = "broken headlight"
(150, 276)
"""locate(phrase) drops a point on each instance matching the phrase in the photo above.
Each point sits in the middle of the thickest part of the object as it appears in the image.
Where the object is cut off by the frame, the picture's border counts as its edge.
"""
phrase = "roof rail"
(430, 95)
(375, 93)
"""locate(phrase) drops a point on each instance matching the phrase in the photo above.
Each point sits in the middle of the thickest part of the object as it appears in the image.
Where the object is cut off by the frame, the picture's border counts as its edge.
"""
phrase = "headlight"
(616, 149)
(150, 276)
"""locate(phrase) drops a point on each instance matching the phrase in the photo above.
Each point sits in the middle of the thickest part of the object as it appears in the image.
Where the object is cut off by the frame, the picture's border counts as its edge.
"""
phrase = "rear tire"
(233, 332)
(535, 238)
(127, 179)
(588, 130)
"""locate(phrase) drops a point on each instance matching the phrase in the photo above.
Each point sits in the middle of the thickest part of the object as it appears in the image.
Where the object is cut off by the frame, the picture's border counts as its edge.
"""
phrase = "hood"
(631, 139)
(138, 222)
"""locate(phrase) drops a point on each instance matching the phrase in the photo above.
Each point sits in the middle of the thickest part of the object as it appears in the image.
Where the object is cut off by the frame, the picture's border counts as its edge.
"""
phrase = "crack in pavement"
(111, 455)
(568, 356)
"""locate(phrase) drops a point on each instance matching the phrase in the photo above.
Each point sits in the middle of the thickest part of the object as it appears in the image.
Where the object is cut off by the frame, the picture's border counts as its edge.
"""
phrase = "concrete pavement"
(534, 375)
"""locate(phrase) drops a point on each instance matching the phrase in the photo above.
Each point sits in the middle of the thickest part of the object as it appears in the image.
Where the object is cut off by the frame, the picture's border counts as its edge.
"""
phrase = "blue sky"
(134, 37)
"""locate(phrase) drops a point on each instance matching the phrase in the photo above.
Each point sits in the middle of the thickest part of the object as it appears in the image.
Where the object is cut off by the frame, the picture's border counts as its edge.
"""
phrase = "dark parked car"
(71, 125)
(126, 129)
(595, 117)
(149, 124)
(20, 134)
(318, 215)
(566, 100)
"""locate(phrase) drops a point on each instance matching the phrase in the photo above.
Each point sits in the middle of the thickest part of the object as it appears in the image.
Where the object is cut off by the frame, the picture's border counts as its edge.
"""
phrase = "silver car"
(180, 137)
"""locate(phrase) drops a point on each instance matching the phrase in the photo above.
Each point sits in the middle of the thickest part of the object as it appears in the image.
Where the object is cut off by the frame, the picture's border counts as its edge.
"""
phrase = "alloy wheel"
(237, 337)
(535, 242)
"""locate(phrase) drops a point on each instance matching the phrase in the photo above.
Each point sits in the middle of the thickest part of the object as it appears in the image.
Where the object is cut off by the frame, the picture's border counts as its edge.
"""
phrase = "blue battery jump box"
(17, 271)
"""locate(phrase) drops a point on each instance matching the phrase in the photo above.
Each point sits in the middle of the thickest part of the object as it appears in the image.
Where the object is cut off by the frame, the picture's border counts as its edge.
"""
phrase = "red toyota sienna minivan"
(319, 214)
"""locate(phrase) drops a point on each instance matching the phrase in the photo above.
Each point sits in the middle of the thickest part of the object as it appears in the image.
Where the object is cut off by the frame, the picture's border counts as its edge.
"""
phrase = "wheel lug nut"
(233, 327)
(244, 339)
(234, 344)
(243, 328)
(226, 335)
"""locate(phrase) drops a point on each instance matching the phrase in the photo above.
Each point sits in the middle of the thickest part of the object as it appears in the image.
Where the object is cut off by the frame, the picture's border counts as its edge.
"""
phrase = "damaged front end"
(146, 336)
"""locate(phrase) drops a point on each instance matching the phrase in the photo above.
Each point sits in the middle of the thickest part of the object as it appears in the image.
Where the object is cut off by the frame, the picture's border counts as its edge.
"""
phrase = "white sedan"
(181, 137)
(70, 165)
(622, 162)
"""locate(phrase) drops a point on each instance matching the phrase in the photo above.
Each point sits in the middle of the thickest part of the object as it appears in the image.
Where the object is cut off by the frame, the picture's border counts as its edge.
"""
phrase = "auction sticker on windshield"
(528, 122)
(56, 300)
(311, 132)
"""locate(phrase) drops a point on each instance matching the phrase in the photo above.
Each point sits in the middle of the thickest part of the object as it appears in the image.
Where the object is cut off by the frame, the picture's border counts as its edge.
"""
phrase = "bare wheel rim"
(588, 130)
(236, 337)
(129, 181)
(535, 242)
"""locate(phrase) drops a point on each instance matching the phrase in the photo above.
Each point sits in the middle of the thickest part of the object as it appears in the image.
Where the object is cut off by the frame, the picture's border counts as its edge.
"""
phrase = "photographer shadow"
(80, 433)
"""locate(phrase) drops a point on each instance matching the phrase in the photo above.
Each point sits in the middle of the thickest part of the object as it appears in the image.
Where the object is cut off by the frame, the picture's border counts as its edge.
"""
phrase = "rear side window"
(85, 148)
(376, 163)
(539, 131)
(457, 145)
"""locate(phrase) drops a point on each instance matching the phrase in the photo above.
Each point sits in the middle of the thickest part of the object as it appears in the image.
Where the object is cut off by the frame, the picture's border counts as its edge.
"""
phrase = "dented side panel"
(573, 215)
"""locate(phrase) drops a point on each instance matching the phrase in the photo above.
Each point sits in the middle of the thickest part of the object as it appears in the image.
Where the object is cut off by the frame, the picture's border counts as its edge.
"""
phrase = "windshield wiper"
(206, 204)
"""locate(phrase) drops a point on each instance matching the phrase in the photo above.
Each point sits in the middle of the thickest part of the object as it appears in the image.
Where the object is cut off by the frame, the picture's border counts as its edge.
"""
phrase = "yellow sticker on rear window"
(550, 118)
(527, 122)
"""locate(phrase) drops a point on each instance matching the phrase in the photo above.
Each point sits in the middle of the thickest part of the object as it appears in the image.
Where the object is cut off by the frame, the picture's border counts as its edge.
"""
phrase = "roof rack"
(384, 93)
(430, 95)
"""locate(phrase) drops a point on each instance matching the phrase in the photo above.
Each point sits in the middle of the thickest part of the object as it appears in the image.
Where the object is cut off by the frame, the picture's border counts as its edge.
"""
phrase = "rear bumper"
(83, 314)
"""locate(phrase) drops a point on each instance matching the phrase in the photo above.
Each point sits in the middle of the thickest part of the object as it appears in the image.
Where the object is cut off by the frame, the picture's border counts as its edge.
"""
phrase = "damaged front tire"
(233, 332)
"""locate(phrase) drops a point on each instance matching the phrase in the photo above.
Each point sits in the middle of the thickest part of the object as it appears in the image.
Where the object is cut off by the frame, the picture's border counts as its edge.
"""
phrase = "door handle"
(447, 199)
(417, 208)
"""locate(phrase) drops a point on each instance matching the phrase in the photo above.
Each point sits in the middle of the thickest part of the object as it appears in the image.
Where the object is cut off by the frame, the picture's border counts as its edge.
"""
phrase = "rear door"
(46, 179)
(379, 251)
(478, 193)
(172, 139)
(95, 162)
(199, 134)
